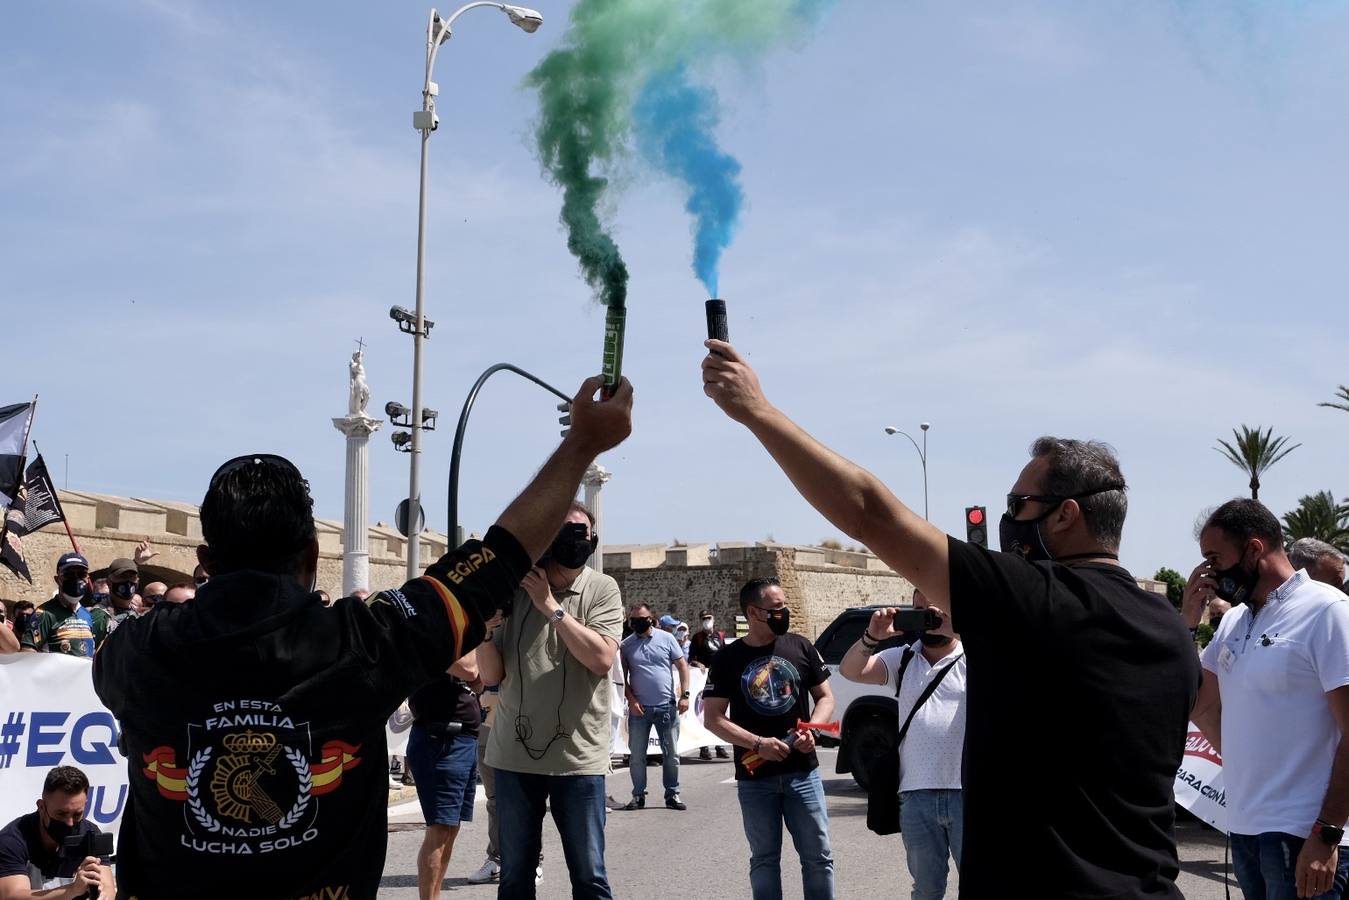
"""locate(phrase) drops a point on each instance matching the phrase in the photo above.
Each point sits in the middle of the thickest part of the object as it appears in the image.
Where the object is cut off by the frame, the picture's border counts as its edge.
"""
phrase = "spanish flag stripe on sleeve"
(458, 618)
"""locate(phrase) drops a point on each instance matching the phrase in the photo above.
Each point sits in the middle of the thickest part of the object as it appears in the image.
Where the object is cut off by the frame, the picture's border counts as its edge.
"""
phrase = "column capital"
(357, 425)
(596, 475)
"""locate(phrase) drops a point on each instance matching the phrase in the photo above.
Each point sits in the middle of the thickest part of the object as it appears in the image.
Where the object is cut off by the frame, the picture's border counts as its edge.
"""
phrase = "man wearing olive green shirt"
(551, 735)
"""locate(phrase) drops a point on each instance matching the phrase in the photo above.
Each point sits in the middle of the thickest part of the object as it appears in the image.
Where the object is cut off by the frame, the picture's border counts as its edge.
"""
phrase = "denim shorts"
(446, 772)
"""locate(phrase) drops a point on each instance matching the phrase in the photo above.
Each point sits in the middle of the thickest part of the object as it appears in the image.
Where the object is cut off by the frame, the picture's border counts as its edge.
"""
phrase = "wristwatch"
(684, 696)
(559, 615)
(1328, 833)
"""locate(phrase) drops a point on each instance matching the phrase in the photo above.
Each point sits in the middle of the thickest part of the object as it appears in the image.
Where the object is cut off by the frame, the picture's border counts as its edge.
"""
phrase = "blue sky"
(1119, 220)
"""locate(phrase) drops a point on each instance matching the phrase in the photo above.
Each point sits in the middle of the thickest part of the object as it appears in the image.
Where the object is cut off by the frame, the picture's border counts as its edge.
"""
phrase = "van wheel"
(870, 739)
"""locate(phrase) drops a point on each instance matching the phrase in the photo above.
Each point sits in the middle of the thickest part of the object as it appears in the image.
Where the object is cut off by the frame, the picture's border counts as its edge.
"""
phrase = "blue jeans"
(931, 822)
(1266, 866)
(578, 808)
(665, 720)
(766, 802)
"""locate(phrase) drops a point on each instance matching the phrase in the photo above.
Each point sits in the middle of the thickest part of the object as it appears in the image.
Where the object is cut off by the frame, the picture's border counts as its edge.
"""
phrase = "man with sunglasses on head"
(1080, 683)
(253, 718)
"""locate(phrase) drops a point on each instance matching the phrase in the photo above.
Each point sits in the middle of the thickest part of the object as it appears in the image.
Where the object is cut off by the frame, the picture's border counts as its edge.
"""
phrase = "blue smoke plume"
(675, 124)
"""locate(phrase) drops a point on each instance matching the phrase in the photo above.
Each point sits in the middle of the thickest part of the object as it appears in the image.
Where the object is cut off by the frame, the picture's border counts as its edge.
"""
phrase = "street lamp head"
(925, 425)
(526, 19)
(890, 429)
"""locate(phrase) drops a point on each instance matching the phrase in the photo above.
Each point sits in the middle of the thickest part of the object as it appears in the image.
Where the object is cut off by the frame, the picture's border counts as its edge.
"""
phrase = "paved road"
(702, 853)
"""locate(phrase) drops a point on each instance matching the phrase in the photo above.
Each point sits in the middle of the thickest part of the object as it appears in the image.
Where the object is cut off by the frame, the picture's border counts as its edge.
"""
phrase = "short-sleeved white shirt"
(1279, 738)
(929, 758)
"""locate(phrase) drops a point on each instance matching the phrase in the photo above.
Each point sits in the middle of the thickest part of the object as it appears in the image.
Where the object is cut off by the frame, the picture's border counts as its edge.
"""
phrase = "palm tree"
(1319, 516)
(1341, 400)
(1255, 452)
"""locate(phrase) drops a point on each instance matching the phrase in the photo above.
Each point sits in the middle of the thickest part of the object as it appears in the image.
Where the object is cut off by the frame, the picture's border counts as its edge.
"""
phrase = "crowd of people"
(88, 604)
(507, 648)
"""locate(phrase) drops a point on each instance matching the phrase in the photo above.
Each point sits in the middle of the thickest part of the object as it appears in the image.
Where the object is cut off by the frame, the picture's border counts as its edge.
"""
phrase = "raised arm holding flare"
(1067, 657)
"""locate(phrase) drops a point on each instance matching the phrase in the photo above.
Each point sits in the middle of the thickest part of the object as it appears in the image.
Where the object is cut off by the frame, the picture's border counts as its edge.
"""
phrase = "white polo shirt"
(929, 758)
(1278, 735)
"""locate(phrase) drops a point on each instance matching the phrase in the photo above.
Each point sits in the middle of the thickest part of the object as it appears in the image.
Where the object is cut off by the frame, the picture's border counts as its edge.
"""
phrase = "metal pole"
(414, 473)
(924, 455)
(457, 452)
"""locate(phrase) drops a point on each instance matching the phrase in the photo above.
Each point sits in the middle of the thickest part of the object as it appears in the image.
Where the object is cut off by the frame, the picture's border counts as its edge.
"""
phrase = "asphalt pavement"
(701, 853)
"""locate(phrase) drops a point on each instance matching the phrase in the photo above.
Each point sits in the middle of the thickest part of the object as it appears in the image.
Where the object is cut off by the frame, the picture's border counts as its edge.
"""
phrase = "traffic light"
(976, 526)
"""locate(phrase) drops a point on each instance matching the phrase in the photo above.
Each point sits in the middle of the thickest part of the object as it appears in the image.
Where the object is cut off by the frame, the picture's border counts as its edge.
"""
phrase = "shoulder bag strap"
(922, 698)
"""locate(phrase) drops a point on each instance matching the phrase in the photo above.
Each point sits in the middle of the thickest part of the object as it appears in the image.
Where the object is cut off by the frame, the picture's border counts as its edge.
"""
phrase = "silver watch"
(559, 615)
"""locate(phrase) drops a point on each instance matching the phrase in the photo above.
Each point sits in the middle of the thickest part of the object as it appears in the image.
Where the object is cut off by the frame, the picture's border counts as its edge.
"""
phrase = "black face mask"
(1235, 584)
(75, 588)
(1022, 536)
(59, 831)
(930, 639)
(95, 599)
(779, 620)
(639, 626)
(124, 591)
(571, 548)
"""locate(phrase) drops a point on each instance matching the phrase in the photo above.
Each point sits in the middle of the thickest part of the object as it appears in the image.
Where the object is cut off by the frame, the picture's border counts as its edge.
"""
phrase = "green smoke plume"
(586, 89)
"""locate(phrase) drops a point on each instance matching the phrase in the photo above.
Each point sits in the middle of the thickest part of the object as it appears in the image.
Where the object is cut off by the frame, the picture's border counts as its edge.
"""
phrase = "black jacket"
(253, 724)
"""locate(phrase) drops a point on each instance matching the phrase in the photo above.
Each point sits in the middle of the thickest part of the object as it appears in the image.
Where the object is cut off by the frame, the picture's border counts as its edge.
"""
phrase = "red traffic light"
(975, 516)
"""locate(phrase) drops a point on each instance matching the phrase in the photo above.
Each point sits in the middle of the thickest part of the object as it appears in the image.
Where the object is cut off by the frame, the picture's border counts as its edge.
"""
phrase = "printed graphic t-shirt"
(769, 692)
(254, 724)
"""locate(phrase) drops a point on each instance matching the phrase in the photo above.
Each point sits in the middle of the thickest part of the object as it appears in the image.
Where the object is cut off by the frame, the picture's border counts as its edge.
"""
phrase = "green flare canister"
(614, 322)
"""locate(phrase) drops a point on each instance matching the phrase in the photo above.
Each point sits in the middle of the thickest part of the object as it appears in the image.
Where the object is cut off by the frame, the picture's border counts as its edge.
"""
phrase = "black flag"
(39, 506)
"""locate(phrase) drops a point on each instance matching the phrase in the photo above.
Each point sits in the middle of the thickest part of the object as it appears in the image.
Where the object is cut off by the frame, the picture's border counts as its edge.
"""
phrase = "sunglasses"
(1017, 502)
(256, 459)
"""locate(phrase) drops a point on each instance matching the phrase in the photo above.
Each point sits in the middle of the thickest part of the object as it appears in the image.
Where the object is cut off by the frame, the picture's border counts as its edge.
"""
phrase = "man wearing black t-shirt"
(1080, 683)
(31, 857)
(253, 719)
(764, 679)
(443, 758)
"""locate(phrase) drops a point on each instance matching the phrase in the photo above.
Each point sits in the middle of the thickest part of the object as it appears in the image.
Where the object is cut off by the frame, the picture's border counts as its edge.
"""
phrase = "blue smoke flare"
(675, 125)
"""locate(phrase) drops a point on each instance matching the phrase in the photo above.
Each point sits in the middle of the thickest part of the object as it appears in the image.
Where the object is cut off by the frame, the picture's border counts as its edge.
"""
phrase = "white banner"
(50, 716)
(692, 734)
(1199, 781)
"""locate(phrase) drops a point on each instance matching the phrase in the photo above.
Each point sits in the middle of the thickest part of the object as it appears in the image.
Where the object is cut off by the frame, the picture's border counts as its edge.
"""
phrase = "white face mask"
(707, 624)
(682, 634)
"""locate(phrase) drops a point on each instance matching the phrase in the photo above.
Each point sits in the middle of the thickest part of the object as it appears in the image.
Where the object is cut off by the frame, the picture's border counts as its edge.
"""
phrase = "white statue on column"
(360, 391)
(357, 425)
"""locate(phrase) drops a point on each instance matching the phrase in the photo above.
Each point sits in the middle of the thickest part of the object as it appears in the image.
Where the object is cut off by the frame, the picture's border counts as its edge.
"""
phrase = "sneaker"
(538, 875)
(636, 803)
(705, 752)
(722, 754)
(675, 803)
(488, 872)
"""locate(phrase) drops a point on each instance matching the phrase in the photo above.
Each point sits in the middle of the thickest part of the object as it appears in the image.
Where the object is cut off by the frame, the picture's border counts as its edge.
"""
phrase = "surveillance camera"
(393, 409)
(429, 414)
(399, 314)
(423, 120)
(401, 438)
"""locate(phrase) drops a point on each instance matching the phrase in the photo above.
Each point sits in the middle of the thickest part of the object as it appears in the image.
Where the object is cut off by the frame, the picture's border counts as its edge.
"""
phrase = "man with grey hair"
(1064, 649)
(1322, 561)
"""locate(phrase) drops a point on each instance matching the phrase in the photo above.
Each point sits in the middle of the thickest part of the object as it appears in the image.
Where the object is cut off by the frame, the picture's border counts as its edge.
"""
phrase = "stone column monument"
(358, 427)
(594, 480)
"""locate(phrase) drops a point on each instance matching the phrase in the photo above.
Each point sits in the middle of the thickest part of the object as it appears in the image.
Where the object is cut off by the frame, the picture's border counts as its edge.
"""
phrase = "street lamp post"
(922, 454)
(438, 31)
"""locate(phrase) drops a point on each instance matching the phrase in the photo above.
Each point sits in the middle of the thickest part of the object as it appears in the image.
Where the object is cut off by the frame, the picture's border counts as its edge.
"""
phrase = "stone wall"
(815, 594)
